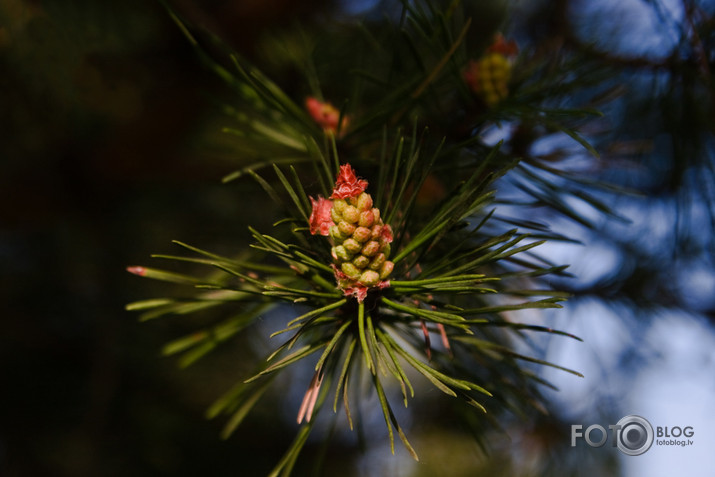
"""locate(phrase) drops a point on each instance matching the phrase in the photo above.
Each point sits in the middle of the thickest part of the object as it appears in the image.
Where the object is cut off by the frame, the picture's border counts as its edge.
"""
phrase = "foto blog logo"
(633, 435)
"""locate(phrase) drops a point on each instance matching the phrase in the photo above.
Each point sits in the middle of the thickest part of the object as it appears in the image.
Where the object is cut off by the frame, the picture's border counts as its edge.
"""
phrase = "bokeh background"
(110, 149)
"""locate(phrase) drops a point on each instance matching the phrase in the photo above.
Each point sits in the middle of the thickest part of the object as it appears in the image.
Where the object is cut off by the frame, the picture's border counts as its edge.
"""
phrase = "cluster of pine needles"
(450, 315)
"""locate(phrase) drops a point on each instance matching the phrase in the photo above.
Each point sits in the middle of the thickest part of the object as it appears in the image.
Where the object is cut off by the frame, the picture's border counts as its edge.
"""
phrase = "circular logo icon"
(634, 435)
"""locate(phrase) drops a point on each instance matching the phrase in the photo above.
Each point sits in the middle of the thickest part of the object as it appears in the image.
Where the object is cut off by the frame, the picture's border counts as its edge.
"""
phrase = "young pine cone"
(360, 239)
(489, 76)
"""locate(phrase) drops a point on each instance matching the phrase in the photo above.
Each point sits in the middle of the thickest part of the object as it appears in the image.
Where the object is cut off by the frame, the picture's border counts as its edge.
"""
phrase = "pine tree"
(391, 251)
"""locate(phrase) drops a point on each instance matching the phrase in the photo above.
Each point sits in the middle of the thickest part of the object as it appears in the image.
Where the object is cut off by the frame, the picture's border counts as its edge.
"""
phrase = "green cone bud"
(352, 245)
(337, 235)
(361, 261)
(489, 77)
(342, 254)
(339, 206)
(376, 215)
(386, 269)
(376, 231)
(350, 270)
(377, 262)
(370, 248)
(364, 202)
(369, 278)
(362, 234)
(366, 219)
(346, 229)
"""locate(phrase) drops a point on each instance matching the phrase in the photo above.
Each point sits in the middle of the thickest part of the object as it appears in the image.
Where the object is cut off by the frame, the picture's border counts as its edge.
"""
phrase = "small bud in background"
(326, 116)
(488, 77)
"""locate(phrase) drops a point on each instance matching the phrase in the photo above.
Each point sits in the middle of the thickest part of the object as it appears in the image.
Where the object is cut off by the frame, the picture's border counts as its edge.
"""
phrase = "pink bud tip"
(324, 114)
(141, 271)
(506, 48)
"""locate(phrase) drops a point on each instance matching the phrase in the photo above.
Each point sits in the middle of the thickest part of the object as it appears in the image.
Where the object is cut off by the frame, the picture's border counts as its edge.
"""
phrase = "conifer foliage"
(391, 243)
